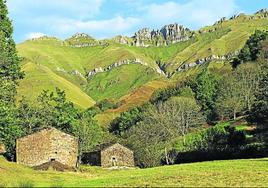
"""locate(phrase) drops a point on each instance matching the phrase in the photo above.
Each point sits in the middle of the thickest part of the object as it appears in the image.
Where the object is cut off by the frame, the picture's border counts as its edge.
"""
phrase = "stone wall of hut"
(45, 146)
(2, 149)
(117, 155)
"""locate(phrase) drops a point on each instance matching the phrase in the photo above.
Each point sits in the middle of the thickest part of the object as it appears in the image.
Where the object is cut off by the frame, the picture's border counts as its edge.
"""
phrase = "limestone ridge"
(118, 64)
(263, 13)
(169, 34)
(209, 59)
(80, 40)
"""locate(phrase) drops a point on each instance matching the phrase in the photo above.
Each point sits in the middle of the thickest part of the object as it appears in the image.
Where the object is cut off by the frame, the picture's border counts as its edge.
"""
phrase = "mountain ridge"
(112, 70)
(175, 31)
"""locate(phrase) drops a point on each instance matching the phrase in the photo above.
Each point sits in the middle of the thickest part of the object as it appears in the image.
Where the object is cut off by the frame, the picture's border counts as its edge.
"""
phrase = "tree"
(10, 128)
(9, 61)
(253, 48)
(55, 110)
(160, 126)
(259, 111)
(237, 90)
(182, 114)
(88, 132)
(106, 104)
(9, 74)
(230, 100)
(128, 119)
(206, 89)
(248, 78)
(28, 116)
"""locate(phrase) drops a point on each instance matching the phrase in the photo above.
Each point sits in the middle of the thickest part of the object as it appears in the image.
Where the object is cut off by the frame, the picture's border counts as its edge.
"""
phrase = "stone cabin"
(114, 155)
(45, 146)
(2, 149)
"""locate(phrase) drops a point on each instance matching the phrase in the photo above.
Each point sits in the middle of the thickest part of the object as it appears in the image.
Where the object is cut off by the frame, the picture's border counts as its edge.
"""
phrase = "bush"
(128, 119)
(218, 143)
(253, 48)
(106, 104)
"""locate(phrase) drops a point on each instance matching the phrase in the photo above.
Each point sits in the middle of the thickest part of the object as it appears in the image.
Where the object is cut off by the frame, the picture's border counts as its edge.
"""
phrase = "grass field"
(246, 173)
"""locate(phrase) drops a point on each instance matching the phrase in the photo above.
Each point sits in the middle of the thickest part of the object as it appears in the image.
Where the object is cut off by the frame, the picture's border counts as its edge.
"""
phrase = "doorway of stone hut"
(114, 161)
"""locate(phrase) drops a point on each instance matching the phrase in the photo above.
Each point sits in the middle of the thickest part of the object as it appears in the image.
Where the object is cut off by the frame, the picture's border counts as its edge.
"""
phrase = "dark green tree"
(10, 72)
(89, 133)
(9, 61)
(205, 87)
(252, 49)
(128, 119)
(56, 111)
(259, 112)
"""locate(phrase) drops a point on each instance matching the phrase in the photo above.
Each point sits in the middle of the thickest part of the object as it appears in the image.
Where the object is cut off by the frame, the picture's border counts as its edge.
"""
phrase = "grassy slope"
(40, 78)
(216, 173)
(119, 82)
(135, 98)
(230, 36)
(61, 60)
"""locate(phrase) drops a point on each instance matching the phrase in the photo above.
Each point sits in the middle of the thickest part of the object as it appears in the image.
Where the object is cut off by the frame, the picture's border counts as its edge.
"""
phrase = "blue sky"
(108, 18)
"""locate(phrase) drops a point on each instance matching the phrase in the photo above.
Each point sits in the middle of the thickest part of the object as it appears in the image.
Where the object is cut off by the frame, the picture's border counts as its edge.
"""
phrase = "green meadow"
(230, 173)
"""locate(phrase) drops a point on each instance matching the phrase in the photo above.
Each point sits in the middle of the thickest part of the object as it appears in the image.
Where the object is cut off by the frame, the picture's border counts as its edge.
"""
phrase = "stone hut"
(47, 145)
(2, 149)
(114, 155)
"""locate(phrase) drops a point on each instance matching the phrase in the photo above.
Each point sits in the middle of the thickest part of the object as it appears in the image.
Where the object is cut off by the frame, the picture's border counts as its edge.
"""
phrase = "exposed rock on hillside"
(263, 13)
(76, 73)
(223, 19)
(226, 57)
(80, 40)
(118, 64)
(122, 40)
(169, 34)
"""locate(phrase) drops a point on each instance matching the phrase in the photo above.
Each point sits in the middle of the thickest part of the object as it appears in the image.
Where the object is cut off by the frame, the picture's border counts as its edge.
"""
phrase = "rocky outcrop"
(44, 38)
(223, 19)
(76, 73)
(61, 70)
(169, 34)
(95, 71)
(211, 58)
(118, 64)
(174, 33)
(81, 40)
(143, 37)
(73, 72)
(121, 39)
(263, 13)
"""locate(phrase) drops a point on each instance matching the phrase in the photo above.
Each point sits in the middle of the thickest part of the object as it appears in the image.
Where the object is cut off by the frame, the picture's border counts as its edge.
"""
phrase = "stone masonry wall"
(64, 148)
(2, 149)
(34, 149)
(117, 155)
(46, 145)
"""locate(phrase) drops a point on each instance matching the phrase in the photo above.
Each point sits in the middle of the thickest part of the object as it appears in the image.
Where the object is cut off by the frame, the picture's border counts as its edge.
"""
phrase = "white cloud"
(194, 12)
(115, 24)
(80, 9)
(35, 35)
(62, 18)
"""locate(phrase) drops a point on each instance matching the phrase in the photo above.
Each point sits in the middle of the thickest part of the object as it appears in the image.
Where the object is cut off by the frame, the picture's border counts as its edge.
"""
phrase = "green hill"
(40, 77)
(87, 68)
(232, 173)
